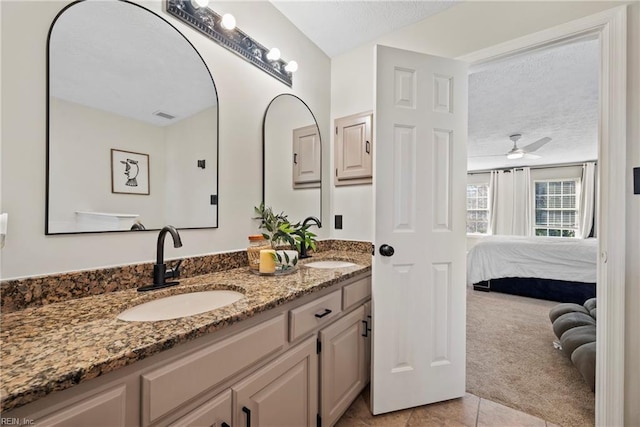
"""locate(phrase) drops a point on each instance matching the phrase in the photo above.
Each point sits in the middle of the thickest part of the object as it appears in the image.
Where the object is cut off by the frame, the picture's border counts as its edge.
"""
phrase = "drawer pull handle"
(324, 313)
(248, 412)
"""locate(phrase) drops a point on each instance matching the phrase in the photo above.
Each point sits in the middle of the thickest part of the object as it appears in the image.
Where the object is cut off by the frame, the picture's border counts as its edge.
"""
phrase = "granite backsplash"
(18, 294)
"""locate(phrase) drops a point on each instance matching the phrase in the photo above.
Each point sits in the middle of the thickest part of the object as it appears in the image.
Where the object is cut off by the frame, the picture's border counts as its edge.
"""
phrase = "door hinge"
(318, 420)
(373, 249)
(336, 130)
(318, 346)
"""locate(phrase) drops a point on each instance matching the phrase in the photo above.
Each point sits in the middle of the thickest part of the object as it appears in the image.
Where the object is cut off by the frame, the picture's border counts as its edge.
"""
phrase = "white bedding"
(555, 258)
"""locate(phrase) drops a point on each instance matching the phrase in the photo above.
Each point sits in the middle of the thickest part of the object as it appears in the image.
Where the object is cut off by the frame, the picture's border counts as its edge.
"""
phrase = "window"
(478, 208)
(556, 208)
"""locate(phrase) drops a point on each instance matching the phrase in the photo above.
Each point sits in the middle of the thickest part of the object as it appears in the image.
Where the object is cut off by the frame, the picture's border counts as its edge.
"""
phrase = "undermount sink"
(330, 264)
(183, 305)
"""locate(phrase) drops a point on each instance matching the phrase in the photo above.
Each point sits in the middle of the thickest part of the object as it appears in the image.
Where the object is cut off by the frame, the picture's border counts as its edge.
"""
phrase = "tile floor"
(469, 410)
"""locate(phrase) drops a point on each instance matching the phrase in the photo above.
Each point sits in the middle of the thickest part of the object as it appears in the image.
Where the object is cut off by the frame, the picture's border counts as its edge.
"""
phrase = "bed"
(551, 268)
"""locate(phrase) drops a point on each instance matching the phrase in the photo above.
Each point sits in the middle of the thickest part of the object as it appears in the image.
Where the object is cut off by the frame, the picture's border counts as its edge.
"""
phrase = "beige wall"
(189, 187)
(244, 92)
(467, 28)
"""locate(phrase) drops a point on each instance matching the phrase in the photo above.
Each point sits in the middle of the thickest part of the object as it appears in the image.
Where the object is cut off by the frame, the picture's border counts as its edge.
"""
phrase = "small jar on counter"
(257, 242)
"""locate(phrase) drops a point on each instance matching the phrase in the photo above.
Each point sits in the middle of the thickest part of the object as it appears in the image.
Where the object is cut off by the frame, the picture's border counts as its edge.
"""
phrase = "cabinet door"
(342, 365)
(101, 409)
(306, 157)
(214, 413)
(354, 149)
(284, 393)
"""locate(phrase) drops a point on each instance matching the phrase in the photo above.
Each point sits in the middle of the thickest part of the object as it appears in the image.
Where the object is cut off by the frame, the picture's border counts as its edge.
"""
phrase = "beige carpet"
(511, 360)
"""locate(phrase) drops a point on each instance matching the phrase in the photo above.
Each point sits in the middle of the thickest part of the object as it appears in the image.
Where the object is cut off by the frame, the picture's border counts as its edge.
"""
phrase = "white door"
(419, 304)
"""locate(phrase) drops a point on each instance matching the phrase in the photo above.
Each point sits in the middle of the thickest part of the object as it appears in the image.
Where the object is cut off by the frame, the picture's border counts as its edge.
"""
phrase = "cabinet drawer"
(102, 409)
(168, 387)
(356, 292)
(314, 314)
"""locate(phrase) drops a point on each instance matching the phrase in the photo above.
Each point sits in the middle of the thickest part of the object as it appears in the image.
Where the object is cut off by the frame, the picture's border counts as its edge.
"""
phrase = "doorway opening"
(533, 125)
(609, 29)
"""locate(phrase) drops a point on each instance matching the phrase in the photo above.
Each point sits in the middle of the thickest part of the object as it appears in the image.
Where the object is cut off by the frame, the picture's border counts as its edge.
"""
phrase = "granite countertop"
(55, 346)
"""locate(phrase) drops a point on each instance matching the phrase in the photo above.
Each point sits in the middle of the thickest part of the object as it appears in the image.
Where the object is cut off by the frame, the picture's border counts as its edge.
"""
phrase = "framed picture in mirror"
(129, 172)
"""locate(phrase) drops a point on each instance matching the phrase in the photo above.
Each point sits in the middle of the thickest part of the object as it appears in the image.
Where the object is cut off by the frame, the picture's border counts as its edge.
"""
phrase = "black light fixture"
(223, 31)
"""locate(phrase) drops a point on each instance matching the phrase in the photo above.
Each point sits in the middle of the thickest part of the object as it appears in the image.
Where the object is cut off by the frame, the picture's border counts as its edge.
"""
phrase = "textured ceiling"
(550, 93)
(339, 26)
(142, 67)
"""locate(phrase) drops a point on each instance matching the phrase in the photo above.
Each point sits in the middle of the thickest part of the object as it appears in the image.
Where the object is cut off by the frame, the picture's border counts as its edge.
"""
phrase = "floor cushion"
(571, 320)
(575, 337)
(566, 307)
(584, 357)
(590, 304)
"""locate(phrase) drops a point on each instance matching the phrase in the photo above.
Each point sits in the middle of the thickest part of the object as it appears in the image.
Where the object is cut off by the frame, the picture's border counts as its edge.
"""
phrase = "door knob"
(386, 250)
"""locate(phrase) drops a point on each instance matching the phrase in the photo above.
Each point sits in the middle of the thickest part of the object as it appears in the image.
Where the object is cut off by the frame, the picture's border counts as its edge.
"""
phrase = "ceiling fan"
(525, 152)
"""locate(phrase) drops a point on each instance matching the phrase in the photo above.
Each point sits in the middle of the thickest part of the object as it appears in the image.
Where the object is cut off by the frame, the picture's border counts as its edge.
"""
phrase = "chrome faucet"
(160, 271)
(302, 232)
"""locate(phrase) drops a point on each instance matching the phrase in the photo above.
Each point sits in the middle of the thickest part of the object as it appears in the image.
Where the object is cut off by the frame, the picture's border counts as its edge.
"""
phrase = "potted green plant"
(304, 239)
(278, 231)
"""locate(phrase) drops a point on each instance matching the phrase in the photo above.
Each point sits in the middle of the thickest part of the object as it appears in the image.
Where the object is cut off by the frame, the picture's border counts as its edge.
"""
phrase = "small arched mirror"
(132, 123)
(292, 159)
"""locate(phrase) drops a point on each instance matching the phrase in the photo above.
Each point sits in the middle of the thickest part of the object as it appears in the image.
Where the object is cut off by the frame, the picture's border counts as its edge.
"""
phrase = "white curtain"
(510, 192)
(587, 198)
(493, 200)
(522, 202)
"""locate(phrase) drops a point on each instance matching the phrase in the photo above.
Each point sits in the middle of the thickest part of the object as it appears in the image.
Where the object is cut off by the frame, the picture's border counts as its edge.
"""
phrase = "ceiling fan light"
(515, 156)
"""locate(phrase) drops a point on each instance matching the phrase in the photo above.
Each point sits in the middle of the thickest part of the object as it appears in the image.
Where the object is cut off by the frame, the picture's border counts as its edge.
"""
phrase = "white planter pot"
(292, 256)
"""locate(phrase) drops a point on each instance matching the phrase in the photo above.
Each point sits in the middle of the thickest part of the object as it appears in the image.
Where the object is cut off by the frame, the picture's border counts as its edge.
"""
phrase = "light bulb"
(274, 54)
(291, 67)
(228, 21)
(199, 3)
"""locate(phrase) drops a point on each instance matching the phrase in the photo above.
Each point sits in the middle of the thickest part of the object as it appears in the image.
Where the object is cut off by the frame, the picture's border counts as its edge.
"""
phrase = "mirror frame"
(48, 126)
(264, 146)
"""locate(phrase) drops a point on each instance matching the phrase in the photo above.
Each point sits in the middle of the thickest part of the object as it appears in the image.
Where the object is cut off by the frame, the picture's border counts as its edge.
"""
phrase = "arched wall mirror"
(291, 156)
(132, 123)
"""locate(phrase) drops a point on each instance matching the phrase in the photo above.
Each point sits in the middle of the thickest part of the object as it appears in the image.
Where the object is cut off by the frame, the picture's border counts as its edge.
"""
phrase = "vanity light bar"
(209, 23)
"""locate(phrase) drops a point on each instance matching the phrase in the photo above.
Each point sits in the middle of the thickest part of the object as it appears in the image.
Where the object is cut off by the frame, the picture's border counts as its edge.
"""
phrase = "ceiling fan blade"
(531, 156)
(486, 155)
(536, 145)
